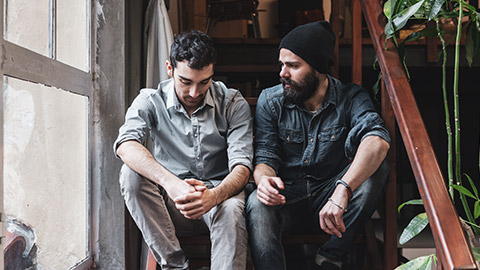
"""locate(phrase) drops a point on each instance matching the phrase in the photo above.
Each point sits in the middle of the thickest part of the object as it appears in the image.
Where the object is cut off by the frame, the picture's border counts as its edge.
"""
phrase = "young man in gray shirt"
(191, 181)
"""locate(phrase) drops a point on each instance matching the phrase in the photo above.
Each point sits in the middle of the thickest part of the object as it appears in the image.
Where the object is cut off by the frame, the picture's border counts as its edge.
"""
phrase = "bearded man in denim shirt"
(191, 181)
(320, 148)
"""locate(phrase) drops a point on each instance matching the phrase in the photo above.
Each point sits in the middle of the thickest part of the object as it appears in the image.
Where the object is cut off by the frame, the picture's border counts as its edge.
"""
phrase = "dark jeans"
(305, 198)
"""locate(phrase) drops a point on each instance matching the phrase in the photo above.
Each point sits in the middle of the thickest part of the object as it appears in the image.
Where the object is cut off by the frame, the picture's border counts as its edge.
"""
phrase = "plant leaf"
(416, 225)
(411, 202)
(387, 9)
(435, 7)
(420, 263)
(426, 32)
(472, 43)
(476, 253)
(400, 19)
(464, 191)
(474, 188)
(476, 210)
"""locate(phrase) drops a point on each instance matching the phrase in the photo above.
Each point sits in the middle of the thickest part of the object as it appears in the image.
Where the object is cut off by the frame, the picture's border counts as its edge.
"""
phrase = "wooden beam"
(391, 227)
(357, 42)
(27, 65)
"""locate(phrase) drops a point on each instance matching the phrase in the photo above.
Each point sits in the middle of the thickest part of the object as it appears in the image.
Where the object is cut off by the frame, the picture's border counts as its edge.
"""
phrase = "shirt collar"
(173, 101)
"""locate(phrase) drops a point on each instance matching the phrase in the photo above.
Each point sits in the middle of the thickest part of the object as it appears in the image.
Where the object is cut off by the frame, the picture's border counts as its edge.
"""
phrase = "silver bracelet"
(337, 205)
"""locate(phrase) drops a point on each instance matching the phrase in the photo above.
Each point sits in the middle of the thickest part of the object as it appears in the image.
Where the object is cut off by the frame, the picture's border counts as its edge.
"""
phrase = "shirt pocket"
(331, 143)
(332, 134)
(291, 144)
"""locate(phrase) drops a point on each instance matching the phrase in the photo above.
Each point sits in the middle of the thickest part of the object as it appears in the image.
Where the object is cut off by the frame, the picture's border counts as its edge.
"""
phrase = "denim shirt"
(206, 145)
(298, 143)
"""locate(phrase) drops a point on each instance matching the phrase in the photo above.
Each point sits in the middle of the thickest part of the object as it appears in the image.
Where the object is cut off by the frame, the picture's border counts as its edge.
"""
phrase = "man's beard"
(299, 92)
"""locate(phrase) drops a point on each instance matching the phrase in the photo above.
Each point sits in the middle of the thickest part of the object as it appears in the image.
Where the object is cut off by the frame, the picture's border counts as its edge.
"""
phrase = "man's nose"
(284, 73)
(194, 91)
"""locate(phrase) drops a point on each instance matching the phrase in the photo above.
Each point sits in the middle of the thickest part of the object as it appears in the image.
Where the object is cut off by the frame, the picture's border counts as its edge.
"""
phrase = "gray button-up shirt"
(206, 145)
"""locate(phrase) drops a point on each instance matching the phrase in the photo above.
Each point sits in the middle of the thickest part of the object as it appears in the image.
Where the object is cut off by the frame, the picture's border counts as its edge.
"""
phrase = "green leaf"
(476, 253)
(426, 32)
(389, 30)
(476, 210)
(411, 202)
(464, 191)
(472, 44)
(387, 9)
(475, 226)
(420, 263)
(472, 184)
(416, 226)
(400, 19)
(469, 7)
(435, 7)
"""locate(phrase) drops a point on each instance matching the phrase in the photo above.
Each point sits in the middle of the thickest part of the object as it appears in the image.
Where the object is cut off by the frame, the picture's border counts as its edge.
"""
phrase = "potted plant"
(453, 19)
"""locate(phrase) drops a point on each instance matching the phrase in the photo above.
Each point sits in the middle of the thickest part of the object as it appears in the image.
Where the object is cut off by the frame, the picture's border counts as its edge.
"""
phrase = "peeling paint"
(99, 12)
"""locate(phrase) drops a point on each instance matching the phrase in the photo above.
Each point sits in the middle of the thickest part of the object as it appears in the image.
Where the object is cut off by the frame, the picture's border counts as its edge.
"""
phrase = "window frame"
(24, 64)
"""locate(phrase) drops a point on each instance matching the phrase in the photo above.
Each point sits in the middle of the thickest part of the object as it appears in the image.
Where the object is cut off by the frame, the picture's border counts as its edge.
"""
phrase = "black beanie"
(314, 43)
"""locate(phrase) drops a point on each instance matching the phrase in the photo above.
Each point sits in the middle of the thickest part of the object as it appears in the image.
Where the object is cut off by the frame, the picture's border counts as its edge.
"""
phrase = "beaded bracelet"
(349, 189)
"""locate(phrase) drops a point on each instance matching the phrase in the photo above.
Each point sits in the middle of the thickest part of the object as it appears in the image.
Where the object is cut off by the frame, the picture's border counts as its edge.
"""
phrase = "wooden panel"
(335, 23)
(357, 42)
(390, 231)
(446, 229)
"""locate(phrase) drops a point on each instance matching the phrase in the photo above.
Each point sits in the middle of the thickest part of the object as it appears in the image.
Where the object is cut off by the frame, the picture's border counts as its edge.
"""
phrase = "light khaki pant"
(160, 223)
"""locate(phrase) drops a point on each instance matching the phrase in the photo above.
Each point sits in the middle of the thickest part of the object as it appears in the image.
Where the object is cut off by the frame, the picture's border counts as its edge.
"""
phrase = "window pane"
(72, 33)
(45, 171)
(27, 24)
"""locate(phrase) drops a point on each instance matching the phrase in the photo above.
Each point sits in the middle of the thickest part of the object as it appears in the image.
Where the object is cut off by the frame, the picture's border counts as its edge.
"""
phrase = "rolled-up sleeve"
(266, 134)
(239, 134)
(138, 121)
(364, 122)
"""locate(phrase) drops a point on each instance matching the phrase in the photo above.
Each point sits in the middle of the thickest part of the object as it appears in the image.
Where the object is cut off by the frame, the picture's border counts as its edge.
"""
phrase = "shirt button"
(333, 137)
(195, 135)
(311, 140)
(198, 157)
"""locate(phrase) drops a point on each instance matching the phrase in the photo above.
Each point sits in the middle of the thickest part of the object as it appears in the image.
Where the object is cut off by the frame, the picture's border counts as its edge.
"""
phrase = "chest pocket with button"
(331, 140)
(291, 144)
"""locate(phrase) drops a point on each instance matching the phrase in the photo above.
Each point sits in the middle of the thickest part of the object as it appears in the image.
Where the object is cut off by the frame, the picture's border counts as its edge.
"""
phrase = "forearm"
(233, 183)
(262, 170)
(138, 158)
(370, 155)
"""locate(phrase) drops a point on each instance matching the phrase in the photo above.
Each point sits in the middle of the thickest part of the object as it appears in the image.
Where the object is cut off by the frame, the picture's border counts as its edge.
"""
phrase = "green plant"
(464, 16)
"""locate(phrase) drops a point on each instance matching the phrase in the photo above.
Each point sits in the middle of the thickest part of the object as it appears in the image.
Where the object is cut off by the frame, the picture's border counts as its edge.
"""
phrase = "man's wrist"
(346, 186)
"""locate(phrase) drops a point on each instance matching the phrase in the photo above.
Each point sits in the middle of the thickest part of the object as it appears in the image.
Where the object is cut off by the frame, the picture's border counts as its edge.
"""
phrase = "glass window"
(72, 32)
(27, 24)
(46, 171)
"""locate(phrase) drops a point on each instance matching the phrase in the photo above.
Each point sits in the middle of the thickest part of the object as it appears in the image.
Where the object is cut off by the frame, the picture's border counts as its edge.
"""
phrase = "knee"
(232, 210)
(129, 181)
(234, 205)
(259, 214)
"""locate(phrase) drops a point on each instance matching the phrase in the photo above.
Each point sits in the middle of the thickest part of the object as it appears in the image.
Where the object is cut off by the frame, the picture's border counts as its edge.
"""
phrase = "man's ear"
(169, 68)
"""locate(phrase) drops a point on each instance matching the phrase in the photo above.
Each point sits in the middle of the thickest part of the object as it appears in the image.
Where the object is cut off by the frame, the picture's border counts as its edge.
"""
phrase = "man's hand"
(331, 215)
(267, 190)
(178, 188)
(193, 205)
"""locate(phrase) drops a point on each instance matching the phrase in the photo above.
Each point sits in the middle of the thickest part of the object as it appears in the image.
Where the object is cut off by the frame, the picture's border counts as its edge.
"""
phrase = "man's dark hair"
(195, 47)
